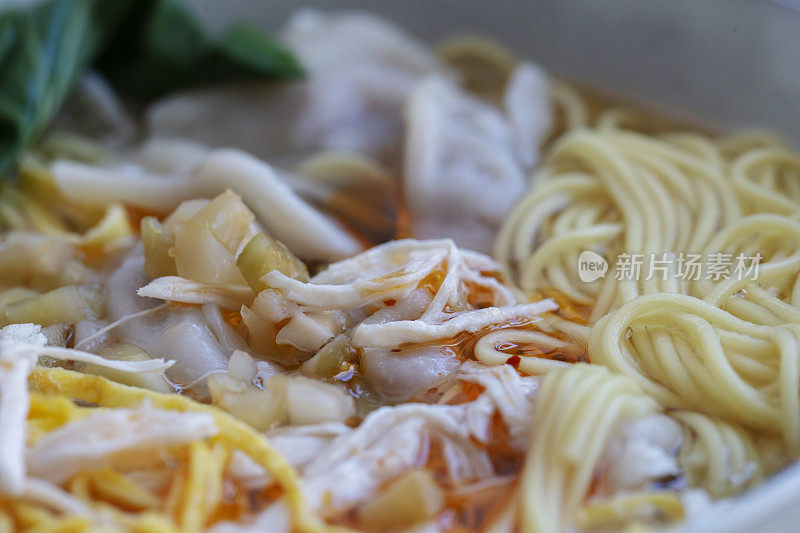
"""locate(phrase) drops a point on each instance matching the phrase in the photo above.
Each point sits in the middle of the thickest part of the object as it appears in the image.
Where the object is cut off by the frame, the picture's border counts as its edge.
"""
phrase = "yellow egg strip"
(233, 434)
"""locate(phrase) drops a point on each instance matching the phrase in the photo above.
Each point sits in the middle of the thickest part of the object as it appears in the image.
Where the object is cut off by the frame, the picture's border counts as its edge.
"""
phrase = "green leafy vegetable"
(43, 52)
(144, 47)
(166, 49)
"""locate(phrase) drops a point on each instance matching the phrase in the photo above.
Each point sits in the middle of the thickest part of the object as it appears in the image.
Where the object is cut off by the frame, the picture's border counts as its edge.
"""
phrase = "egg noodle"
(577, 409)
(198, 484)
(720, 355)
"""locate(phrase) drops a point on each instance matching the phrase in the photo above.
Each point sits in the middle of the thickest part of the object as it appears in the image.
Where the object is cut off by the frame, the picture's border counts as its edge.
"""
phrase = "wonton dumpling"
(465, 160)
(360, 70)
(642, 452)
(461, 172)
(185, 334)
(528, 108)
(96, 111)
(397, 374)
(257, 118)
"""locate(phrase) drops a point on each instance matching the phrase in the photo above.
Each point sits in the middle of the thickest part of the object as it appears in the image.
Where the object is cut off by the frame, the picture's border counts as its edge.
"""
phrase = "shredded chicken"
(392, 270)
(395, 439)
(55, 498)
(111, 436)
(15, 365)
(344, 467)
(177, 289)
(20, 347)
(418, 331)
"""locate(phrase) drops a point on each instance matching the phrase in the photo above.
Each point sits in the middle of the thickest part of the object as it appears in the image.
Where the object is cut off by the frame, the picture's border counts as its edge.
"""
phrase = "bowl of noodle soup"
(469, 268)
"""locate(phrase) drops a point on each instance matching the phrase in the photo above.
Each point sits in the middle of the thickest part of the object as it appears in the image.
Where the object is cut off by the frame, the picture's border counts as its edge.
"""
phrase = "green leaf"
(145, 47)
(250, 48)
(166, 49)
(43, 51)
